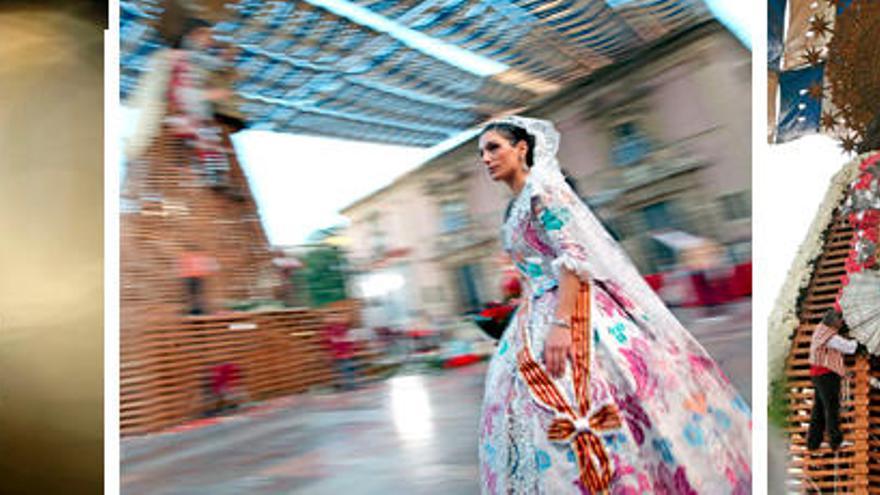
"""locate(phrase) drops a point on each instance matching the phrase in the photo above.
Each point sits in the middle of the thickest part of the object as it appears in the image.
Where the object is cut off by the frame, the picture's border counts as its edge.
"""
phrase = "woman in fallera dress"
(595, 387)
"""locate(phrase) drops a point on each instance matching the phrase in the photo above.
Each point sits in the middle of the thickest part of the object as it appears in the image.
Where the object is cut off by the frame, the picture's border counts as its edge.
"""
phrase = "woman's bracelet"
(559, 322)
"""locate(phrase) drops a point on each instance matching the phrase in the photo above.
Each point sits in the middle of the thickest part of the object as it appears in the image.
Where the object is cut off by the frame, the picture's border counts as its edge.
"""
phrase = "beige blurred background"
(51, 259)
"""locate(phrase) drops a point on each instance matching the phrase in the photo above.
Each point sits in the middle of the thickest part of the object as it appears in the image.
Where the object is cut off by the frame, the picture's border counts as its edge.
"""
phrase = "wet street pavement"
(415, 433)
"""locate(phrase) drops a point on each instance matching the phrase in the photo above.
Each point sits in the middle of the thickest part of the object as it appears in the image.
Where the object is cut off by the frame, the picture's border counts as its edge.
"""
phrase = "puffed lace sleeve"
(554, 211)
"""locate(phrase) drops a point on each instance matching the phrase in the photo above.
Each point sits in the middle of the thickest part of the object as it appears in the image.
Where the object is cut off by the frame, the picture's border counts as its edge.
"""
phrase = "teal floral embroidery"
(534, 270)
(554, 218)
(617, 331)
(595, 335)
(610, 442)
(721, 418)
(693, 434)
(543, 460)
(661, 445)
(490, 452)
(614, 441)
(503, 348)
(741, 405)
(570, 457)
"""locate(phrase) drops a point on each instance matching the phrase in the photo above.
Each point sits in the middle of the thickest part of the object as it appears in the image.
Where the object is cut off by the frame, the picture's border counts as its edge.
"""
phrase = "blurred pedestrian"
(177, 90)
(341, 346)
(595, 387)
(194, 267)
(225, 387)
(706, 264)
(827, 348)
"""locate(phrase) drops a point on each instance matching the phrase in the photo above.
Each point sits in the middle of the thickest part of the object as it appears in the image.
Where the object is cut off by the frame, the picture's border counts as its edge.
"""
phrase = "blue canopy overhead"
(304, 68)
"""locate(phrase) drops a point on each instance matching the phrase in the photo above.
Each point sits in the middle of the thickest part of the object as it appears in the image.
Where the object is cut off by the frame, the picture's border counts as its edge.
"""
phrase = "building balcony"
(459, 241)
(650, 175)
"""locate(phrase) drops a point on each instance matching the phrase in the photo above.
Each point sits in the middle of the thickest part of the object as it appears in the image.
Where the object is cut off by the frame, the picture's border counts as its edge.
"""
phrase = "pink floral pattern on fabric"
(668, 482)
(619, 295)
(530, 235)
(489, 417)
(646, 383)
(607, 304)
(636, 418)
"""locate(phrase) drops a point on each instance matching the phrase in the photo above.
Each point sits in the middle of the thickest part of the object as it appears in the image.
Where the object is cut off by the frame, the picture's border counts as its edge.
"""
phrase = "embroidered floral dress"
(660, 410)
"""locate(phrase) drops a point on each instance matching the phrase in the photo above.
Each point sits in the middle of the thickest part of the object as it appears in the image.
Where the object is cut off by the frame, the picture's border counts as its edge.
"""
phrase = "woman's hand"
(557, 349)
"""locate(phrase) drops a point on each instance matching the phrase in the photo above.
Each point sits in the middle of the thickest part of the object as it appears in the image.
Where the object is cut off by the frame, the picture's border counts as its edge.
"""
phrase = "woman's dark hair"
(832, 318)
(514, 134)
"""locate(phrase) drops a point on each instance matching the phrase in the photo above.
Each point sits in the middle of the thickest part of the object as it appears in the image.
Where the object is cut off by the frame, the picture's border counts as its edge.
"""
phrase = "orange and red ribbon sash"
(570, 425)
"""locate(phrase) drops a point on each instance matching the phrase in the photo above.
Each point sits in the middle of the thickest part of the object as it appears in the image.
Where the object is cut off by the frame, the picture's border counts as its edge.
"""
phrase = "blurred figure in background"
(341, 347)
(195, 267)
(706, 264)
(191, 109)
(226, 388)
(179, 90)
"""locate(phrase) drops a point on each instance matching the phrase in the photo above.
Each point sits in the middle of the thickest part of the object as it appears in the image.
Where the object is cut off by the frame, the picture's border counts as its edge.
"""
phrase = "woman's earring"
(525, 166)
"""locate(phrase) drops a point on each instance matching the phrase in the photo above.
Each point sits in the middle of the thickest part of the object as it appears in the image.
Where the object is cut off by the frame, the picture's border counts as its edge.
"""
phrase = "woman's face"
(502, 159)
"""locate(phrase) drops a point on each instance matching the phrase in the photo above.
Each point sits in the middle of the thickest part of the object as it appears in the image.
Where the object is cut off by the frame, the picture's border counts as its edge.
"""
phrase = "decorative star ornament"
(848, 143)
(813, 56)
(820, 25)
(816, 91)
(828, 121)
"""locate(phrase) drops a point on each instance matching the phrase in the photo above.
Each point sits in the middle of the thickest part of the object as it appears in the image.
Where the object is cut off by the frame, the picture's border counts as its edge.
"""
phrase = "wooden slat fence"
(165, 371)
(823, 471)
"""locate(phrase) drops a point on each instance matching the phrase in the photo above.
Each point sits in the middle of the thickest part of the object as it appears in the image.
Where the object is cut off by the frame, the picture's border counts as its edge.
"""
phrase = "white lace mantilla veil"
(606, 260)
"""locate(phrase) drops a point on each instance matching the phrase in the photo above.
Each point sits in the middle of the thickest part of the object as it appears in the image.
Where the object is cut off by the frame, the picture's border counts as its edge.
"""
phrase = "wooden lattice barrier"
(165, 371)
(824, 471)
(170, 204)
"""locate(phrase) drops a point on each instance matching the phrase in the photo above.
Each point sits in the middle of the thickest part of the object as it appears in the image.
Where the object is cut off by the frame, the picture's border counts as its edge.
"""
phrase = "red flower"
(863, 182)
(853, 219)
(871, 160)
(512, 287)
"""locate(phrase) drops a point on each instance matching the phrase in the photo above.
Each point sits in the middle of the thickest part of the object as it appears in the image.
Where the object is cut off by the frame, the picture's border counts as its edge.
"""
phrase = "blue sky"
(301, 182)
(737, 16)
